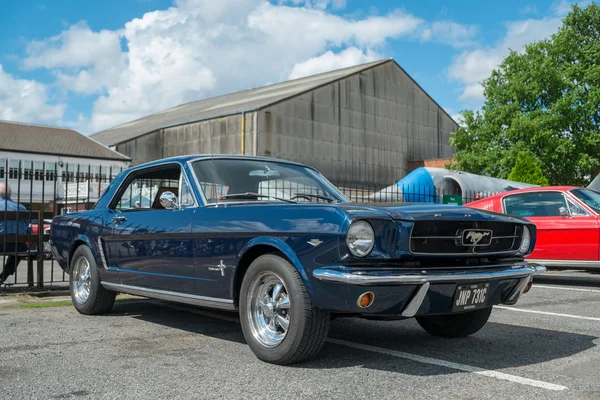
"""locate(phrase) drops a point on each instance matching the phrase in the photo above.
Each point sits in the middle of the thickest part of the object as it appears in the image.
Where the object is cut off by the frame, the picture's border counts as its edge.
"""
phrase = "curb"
(559, 279)
(59, 291)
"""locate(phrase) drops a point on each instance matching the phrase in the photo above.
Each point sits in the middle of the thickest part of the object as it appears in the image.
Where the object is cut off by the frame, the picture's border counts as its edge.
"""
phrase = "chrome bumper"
(365, 277)
(523, 271)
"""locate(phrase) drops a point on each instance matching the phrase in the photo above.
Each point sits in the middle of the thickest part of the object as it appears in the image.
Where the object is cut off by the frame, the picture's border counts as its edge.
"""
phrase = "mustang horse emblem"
(475, 237)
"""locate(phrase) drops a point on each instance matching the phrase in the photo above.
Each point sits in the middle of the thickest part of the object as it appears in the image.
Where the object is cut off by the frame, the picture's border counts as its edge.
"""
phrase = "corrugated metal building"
(357, 125)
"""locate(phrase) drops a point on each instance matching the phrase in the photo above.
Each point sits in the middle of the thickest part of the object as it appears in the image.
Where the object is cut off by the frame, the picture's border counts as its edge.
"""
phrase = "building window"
(50, 175)
(13, 173)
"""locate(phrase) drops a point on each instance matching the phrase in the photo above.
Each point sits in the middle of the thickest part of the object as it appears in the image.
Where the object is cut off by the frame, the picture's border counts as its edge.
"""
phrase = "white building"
(51, 165)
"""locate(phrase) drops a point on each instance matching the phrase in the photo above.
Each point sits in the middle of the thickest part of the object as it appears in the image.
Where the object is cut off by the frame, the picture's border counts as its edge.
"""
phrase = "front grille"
(446, 237)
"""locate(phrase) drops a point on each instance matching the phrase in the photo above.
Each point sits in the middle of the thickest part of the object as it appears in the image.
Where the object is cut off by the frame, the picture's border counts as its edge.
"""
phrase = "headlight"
(525, 241)
(360, 238)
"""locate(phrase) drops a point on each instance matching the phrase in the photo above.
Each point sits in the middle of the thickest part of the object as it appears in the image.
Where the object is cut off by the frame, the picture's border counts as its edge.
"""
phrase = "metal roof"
(234, 103)
(39, 139)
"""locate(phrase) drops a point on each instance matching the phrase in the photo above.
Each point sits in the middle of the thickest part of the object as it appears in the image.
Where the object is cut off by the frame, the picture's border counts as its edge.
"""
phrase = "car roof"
(194, 157)
(499, 196)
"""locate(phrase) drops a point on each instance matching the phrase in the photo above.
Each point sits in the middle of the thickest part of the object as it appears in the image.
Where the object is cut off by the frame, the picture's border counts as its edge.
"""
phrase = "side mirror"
(564, 213)
(169, 201)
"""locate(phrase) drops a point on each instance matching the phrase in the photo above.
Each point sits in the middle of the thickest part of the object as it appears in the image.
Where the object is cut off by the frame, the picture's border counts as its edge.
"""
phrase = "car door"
(572, 236)
(151, 246)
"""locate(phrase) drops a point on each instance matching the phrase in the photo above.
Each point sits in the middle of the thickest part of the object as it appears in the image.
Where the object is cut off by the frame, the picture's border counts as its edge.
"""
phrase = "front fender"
(287, 251)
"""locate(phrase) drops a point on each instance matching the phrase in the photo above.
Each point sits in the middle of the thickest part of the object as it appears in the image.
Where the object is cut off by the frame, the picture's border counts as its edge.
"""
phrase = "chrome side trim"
(415, 303)
(568, 263)
(102, 257)
(211, 302)
(399, 277)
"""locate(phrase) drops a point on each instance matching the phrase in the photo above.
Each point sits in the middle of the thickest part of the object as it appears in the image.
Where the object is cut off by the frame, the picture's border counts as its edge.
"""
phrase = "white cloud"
(84, 61)
(201, 48)
(471, 67)
(26, 101)
(319, 4)
(450, 33)
(329, 61)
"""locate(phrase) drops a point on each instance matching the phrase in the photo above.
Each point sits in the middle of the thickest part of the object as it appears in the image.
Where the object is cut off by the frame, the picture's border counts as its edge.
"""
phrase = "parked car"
(34, 228)
(566, 217)
(275, 241)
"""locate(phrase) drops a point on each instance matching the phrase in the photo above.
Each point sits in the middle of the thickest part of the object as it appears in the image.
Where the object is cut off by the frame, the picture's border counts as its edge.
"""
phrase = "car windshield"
(590, 198)
(235, 180)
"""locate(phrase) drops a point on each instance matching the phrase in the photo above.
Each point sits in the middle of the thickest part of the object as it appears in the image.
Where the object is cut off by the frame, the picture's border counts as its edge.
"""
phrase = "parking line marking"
(408, 356)
(566, 288)
(452, 365)
(548, 313)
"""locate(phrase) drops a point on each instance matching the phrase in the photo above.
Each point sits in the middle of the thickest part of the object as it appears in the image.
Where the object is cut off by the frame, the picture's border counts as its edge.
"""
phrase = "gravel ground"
(151, 349)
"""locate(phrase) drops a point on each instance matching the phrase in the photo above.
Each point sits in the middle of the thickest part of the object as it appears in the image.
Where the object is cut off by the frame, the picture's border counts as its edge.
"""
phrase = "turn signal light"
(528, 286)
(365, 300)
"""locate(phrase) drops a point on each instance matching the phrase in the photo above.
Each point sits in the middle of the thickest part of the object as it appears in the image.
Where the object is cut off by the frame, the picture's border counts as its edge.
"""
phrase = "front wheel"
(88, 295)
(279, 321)
(455, 325)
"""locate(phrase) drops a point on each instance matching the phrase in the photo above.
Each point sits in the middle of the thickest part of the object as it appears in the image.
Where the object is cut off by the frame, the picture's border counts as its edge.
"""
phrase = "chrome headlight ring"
(360, 238)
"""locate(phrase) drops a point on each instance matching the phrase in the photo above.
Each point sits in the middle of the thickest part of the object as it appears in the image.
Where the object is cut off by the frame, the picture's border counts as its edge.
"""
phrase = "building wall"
(361, 129)
(50, 177)
(142, 149)
(435, 163)
(365, 128)
(215, 136)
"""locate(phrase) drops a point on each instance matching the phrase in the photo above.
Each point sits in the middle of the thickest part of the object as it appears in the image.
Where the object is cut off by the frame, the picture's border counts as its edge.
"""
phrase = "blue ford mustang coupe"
(277, 242)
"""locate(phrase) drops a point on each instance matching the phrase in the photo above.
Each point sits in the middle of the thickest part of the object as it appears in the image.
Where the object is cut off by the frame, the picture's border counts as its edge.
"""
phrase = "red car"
(567, 220)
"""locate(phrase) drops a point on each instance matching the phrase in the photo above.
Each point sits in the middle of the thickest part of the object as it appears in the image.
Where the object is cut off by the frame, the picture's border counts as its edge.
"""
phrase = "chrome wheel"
(81, 280)
(268, 309)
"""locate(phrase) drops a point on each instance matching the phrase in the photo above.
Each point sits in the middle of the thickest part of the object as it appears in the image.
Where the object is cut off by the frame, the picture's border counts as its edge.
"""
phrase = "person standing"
(11, 228)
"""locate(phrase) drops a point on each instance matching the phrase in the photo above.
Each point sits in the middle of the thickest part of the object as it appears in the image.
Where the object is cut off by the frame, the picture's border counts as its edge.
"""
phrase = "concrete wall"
(225, 134)
(361, 129)
(142, 149)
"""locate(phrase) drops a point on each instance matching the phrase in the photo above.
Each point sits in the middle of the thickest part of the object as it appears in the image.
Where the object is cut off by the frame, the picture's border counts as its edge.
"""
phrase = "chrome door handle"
(119, 219)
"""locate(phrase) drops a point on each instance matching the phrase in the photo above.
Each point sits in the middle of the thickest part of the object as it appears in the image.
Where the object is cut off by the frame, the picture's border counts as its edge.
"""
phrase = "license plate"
(470, 297)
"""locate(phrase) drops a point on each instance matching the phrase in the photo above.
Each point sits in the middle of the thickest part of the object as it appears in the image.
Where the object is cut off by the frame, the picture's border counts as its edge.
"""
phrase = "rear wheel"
(279, 321)
(88, 295)
(455, 325)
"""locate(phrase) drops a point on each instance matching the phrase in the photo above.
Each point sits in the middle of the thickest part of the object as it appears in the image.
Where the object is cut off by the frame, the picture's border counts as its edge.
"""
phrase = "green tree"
(527, 170)
(546, 102)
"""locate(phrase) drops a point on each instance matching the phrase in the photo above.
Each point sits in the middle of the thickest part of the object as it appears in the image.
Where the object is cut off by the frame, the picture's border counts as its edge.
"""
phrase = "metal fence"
(45, 190)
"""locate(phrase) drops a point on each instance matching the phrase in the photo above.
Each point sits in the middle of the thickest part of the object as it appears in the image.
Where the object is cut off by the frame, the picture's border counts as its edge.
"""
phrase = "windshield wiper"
(313, 196)
(252, 195)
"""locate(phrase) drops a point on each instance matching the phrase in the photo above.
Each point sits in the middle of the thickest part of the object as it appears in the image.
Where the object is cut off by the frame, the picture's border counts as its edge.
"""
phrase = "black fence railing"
(41, 190)
(31, 194)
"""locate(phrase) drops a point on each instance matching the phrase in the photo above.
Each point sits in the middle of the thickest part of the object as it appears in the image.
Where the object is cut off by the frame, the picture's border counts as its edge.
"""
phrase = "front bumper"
(407, 294)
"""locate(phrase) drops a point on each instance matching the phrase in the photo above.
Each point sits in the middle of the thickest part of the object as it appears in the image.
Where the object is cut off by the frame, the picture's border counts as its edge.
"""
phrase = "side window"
(575, 209)
(143, 190)
(535, 204)
(186, 197)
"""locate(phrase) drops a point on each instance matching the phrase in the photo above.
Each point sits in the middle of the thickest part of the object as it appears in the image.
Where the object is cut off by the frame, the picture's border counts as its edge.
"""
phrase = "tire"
(98, 300)
(307, 325)
(456, 325)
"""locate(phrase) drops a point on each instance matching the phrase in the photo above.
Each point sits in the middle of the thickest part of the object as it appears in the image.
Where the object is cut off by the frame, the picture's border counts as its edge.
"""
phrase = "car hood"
(424, 212)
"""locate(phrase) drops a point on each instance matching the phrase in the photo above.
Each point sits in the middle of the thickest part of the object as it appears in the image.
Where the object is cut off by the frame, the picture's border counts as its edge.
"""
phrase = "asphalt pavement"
(545, 347)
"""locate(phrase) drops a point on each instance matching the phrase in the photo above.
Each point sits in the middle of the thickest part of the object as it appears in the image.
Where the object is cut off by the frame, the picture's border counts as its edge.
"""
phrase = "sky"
(94, 65)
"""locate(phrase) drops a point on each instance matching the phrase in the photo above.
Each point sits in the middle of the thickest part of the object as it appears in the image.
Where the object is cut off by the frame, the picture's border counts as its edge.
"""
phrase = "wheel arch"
(78, 241)
(258, 247)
